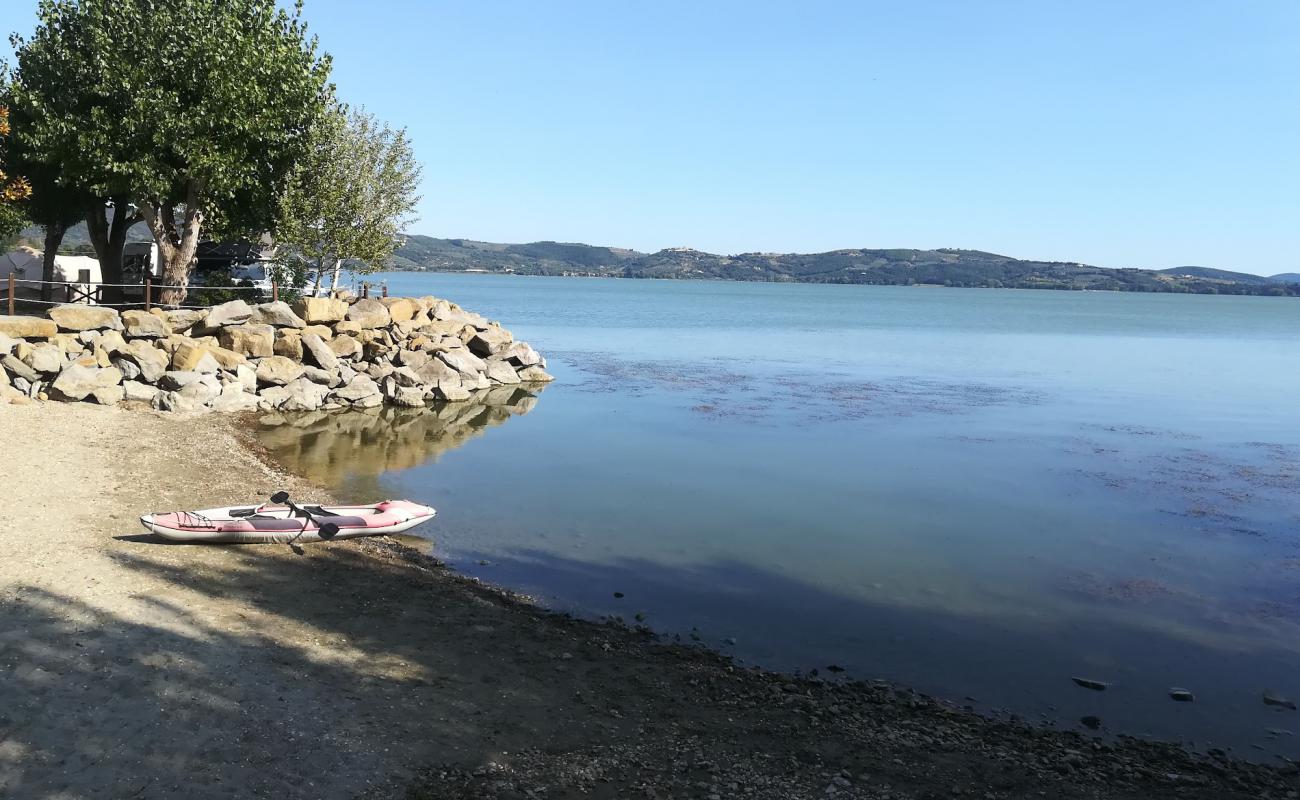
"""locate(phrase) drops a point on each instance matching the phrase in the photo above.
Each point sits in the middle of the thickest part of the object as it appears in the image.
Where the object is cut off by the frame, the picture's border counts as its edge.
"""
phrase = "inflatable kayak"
(288, 522)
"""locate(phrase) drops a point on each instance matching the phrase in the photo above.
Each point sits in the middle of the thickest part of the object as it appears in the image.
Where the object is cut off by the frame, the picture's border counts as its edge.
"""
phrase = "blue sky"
(1116, 133)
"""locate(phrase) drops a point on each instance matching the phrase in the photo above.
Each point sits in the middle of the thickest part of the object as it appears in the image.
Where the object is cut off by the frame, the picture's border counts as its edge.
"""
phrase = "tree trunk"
(334, 284)
(320, 269)
(176, 245)
(53, 238)
(108, 239)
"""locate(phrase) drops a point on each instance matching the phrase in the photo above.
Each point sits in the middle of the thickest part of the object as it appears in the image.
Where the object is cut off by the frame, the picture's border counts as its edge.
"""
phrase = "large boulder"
(320, 352)
(369, 313)
(109, 395)
(278, 371)
(150, 361)
(187, 354)
(254, 341)
(204, 390)
(234, 398)
(183, 319)
(226, 359)
(129, 369)
(463, 361)
(77, 381)
(435, 371)
(413, 358)
(7, 345)
(521, 354)
(111, 341)
(46, 358)
(20, 327)
(278, 314)
(303, 395)
(143, 325)
(176, 380)
(360, 388)
(490, 341)
(345, 346)
(176, 402)
(288, 343)
(401, 309)
(236, 312)
(76, 317)
(501, 372)
(142, 392)
(314, 310)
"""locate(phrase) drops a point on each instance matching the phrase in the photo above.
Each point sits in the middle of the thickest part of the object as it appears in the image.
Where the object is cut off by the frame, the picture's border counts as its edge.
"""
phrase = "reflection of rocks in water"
(333, 446)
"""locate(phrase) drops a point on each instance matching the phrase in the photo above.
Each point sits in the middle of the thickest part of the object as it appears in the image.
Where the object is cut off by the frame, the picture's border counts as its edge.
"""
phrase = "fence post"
(275, 291)
(148, 291)
(12, 283)
(385, 289)
(365, 291)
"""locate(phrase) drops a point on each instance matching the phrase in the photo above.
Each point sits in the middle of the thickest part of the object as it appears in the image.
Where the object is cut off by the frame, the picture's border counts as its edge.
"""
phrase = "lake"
(976, 493)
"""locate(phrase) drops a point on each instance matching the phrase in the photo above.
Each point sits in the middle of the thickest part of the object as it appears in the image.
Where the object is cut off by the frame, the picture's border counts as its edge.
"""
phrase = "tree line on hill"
(941, 267)
(208, 119)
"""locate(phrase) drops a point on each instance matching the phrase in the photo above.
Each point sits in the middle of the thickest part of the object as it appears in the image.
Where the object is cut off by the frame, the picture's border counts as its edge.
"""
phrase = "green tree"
(352, 195)
(14, 187)
(188, 116)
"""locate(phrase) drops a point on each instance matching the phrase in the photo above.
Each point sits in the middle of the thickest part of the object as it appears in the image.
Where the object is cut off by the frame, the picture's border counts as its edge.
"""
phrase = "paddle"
(327, 529)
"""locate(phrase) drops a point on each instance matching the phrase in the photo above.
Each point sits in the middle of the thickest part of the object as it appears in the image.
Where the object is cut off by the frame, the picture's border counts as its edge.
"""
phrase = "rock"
(76, 317)
(406, 396)
(15, 366)
(87, 336)
(174, 402)
(178, 379)
(318, 375)
(288, 344)
(348, 327)
(489, 341)
(521, 354)
(77, 381)
(233, 398)
(111, 341)
(277, 314)
(323, 331)
(236, 312)
(109, 395)
(7, 345)
(1181, 695)
(134, 390)
(400, 309)
(254, 341)
(45, 358)
(130, 370)
(151, 361)
(203, 391)
(535, 375)
(187, 355)
(1091, 722)
(359, 388)
(345, 346)
(303, 395)
(271, 398)
(278, 371)
(413, 358)
(314, 310)
(435, 371)
(463, 361)
(1272, 698)
(451, 391)
(321, 353)
(226, 359)
(501, 372)
(246, 377)
(405, 376)
(143, 325)
(1089, 683)
(183, 319)
(20, 327)
(369, 313)
(208, 365)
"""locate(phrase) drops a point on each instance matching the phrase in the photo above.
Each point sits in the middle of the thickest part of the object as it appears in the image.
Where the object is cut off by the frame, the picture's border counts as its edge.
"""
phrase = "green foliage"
(289, 271)
(352, 195)
(204, 106)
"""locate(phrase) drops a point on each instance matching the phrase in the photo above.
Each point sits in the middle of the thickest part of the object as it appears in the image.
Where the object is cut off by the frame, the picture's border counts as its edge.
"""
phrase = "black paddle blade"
(328, 530)
(280, 497)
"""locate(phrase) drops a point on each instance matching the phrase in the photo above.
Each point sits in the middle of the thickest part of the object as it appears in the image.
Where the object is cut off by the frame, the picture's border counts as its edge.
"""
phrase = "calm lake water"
(976, 493)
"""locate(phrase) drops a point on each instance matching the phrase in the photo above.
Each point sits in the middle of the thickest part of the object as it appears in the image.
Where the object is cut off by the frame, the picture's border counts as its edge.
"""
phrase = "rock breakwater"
(319, 353)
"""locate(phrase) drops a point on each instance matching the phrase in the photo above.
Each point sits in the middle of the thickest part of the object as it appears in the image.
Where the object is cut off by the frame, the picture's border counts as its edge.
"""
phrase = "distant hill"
(898, 266)
(942, 267)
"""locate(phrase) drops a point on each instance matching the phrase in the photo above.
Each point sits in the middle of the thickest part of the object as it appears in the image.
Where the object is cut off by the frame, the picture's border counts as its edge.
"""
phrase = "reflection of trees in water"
(355, 447)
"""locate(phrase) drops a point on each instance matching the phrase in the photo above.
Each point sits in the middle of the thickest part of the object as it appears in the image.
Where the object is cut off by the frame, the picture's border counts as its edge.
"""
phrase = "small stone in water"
(1271, 698)
(1181, 695)
(1089, 683)
(1091, 722)
(834, 668)
(618, 595)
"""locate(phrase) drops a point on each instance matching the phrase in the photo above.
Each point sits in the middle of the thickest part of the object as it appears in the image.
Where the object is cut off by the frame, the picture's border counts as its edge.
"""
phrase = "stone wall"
(320, 353)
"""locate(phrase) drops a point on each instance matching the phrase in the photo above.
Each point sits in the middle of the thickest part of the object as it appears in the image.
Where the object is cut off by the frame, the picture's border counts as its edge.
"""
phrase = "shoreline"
(369, 669)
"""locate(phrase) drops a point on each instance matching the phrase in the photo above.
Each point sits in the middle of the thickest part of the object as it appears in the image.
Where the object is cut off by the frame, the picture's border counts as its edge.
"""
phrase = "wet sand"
(130, 668)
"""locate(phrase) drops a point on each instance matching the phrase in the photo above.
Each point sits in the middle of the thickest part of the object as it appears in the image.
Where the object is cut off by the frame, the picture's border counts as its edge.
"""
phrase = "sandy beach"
(135, 669)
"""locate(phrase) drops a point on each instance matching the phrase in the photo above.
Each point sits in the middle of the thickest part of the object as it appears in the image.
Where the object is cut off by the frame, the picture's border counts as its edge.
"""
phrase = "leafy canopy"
(353, 194)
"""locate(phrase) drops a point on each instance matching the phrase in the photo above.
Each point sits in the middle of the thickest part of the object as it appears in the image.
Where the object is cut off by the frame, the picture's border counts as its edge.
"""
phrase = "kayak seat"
(260, 523)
